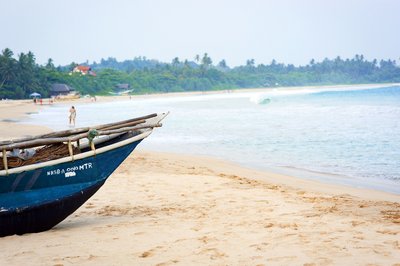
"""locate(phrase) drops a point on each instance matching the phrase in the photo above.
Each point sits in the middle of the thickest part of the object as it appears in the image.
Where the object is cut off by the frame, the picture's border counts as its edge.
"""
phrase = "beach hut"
(58, 89)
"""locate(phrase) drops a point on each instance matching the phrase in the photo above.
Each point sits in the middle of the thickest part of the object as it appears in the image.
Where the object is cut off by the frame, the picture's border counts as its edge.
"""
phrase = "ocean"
(345, 136)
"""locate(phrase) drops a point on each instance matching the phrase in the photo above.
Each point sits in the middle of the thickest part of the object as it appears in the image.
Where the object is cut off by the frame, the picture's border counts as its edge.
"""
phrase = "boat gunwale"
(5, 173)
(145, 133)
(68, 133)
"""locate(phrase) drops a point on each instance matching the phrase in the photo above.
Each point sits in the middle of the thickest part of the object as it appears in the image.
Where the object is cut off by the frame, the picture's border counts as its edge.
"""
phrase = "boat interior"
(56, 145)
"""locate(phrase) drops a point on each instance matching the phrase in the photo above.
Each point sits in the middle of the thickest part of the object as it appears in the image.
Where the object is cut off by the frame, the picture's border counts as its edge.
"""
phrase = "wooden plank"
(5, 160)
(134, 123)
(47, 141)
(69, 132)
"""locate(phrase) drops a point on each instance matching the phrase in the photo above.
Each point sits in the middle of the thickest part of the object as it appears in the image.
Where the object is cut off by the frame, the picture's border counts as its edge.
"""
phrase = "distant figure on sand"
(72, 115)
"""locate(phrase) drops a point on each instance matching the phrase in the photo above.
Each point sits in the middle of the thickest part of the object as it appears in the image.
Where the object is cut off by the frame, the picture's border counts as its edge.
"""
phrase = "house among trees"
(84, 70)
(58, 89)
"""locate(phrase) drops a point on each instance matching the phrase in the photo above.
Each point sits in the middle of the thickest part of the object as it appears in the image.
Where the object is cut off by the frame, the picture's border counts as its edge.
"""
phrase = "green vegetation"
(21, 76)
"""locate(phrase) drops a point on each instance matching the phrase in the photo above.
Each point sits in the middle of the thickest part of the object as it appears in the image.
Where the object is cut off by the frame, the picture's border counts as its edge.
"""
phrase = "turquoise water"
(346, 136)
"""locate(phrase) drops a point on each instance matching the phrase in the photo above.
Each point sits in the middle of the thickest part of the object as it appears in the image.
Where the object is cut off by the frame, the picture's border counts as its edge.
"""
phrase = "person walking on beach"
(72, 115)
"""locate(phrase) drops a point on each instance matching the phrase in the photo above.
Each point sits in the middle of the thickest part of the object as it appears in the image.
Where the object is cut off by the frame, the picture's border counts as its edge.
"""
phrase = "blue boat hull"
(42, 217)
(37, 200)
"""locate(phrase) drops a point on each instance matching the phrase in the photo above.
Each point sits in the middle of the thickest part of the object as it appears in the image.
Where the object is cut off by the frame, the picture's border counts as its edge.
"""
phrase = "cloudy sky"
(290, 31)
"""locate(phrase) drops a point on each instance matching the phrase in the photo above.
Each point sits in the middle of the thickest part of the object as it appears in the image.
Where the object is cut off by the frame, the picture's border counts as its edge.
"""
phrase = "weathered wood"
(126, 121)
(80, 130)
(70, 132)
(54, 134)
(134, 123)
(71, 152)
(92, 147)
(5, 160)
(47, 141)
(126, 129)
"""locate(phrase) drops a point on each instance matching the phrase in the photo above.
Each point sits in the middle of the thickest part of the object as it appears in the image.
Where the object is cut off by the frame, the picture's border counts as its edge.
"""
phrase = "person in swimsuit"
(72, 115)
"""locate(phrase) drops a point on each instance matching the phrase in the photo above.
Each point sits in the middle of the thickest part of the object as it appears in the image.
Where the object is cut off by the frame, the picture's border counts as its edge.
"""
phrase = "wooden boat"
(68, 167)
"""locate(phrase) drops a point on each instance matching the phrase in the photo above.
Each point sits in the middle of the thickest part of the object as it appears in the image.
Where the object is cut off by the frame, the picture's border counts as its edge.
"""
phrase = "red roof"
(83, 68)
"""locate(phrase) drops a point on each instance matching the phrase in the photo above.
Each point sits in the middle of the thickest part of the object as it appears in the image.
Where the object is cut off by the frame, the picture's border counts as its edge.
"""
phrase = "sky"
(289, 31)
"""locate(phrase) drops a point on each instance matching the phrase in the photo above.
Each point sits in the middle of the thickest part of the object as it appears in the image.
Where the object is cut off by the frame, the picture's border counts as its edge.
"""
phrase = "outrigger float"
(44, 179)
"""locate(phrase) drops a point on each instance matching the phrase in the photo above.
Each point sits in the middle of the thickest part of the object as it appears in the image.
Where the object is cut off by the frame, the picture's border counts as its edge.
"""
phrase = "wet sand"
(176, 209)
(11, 112)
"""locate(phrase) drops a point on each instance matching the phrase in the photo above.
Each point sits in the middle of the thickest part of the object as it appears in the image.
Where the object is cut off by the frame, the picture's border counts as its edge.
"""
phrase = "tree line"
(20, 75)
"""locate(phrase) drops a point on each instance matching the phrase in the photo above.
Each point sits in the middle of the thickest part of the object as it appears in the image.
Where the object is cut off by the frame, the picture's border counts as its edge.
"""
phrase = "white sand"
(168, 209)
(164, 209)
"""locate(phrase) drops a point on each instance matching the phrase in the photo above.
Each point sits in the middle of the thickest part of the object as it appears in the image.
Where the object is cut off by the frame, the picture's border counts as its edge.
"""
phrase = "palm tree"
(175, 62)
(50, 64)
(197, 58)
(250, 63)
(7, 53)
(222, 64)
(27, 79)
(186, 63)
(31, 59)
(206, 60)
(7, 66)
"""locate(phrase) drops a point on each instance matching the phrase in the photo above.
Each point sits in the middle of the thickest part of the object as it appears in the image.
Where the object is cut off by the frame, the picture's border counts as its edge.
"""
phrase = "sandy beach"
(176, 209)
(11, 112)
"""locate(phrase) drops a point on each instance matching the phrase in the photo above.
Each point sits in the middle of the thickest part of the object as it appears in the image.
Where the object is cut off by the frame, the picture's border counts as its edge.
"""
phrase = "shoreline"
(20, 109)
(116, 98)
(162, 208)
(278, 178)
(234, 91)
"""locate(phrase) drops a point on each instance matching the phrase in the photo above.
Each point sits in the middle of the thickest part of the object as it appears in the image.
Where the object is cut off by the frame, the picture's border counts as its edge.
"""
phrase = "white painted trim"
(145, 133)
(77, 156)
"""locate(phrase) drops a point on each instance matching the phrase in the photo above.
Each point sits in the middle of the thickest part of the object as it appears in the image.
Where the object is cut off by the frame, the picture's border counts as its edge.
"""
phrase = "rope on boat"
(53, 148)
(43, 154)
(92, 134)
(131, 122)
(48, 141)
